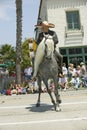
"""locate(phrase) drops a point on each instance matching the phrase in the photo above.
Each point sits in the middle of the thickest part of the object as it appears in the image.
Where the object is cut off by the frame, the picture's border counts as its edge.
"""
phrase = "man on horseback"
(46, 31)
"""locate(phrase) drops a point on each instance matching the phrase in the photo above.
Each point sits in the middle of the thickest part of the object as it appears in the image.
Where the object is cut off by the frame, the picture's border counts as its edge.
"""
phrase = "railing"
(82, 30)
(74, 30)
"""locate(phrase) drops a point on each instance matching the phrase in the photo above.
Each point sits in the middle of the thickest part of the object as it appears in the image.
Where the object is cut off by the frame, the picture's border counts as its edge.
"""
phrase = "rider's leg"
(59, 59)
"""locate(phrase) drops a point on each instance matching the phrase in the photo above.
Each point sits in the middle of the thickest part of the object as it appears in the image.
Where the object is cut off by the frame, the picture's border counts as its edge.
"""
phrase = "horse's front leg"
(58, 100)
(39, 84)
(52, 99)
(49, 92)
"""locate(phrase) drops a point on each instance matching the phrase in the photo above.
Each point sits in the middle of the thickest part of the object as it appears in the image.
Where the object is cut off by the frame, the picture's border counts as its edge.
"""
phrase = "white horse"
(47, 69)
(47, 40)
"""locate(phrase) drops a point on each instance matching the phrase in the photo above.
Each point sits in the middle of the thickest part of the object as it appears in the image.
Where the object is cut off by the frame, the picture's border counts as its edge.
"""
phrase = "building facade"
(69, 17)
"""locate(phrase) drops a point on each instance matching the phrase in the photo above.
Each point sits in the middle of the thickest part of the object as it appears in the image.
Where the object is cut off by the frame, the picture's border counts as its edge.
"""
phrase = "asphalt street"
(18, 112)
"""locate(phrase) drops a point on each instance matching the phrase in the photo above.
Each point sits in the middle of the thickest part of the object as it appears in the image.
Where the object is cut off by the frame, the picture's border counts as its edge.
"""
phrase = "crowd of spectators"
(71, 76)
(18, 89)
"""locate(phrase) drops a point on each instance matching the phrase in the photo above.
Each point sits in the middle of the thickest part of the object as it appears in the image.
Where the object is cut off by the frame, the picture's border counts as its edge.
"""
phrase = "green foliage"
(8, 56)
(26, 60)
(7, 52)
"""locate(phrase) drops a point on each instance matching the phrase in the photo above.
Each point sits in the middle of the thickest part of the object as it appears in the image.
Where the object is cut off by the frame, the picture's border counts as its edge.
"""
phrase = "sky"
(30, 10)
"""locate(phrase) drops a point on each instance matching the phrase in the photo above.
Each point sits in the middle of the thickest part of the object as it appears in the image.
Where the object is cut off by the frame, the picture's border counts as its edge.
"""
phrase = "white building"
(70, 19)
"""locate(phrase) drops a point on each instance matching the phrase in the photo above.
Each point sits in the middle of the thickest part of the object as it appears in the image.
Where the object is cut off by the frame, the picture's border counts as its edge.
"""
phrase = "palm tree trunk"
(18, 39)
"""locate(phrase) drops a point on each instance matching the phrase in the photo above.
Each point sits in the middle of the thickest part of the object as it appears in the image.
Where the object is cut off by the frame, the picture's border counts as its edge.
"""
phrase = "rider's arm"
(55, 38)
(54, 35)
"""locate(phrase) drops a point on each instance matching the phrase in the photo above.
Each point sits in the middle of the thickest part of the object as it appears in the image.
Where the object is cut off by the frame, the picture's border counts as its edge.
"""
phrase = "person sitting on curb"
(75, 81)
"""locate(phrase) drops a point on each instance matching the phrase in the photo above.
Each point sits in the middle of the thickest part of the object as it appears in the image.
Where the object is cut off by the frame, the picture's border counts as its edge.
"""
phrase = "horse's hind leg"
(39, 84)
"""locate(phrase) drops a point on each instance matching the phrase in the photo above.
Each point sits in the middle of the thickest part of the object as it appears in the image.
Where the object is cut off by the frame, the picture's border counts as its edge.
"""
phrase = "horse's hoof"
(60, 101)
(58, 109)
(38, 105)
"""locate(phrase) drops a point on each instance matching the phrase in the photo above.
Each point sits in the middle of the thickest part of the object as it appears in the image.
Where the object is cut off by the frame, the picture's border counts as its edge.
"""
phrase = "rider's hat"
(45, 24)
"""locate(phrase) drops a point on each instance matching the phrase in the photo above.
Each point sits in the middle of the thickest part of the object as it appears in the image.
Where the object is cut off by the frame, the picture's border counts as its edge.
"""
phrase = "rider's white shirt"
(28, 71)
(64, 70)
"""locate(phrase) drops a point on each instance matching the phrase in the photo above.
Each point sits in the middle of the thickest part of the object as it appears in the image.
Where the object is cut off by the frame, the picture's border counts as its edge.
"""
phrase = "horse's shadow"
(42, 108)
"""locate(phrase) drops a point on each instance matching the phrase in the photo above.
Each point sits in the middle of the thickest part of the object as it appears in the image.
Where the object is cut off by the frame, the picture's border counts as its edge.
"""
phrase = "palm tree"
(7, 52)
(18, 39)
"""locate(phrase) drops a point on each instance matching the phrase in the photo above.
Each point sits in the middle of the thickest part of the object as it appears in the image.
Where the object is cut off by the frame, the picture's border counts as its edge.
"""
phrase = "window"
(73, 20)
(85, 50)
(75, 51)
(76, 60)
(63, 51)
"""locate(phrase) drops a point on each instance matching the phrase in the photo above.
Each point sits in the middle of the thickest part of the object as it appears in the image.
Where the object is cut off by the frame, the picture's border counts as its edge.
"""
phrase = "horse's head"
(49, 46)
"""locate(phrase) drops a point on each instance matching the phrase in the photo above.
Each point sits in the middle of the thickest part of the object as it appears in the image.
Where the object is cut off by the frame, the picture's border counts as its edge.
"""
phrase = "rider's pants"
(59, 60)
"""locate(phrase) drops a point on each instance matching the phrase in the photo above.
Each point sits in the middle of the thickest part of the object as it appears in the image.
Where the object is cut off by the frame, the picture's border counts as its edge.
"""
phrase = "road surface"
(19, 112)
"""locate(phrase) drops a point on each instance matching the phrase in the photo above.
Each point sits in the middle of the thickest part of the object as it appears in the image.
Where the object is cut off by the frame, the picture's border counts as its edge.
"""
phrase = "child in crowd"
(19, 89)
(13, 88)
(76, 81)
(63, 82)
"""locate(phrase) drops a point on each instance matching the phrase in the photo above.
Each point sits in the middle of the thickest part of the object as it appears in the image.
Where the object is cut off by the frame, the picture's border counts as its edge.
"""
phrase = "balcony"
(74, 36)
